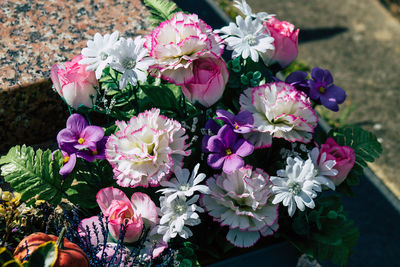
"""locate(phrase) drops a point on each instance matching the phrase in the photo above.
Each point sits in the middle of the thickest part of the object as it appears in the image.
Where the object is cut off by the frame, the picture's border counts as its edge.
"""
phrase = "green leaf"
(44, 255)
(365, 144)
(160, 10)
(161, 96)
(35, 174)
(7, 259)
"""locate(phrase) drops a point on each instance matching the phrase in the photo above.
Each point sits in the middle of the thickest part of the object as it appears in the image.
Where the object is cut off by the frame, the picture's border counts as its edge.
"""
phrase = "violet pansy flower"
(68, 163)
(211, 128)
(79, 135)
(322, 89)
(227, 150)
(241, 123)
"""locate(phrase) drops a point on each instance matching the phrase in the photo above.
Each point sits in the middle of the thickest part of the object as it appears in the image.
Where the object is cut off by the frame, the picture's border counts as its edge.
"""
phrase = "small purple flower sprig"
(227, 147)
(80, 140)
(320, 88)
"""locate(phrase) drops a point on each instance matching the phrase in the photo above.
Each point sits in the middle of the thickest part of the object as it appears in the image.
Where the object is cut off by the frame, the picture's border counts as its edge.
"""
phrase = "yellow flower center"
(95, 152)
(321, 89)
(236, 126)
(81, 140)
(66, 159)
(228, 152)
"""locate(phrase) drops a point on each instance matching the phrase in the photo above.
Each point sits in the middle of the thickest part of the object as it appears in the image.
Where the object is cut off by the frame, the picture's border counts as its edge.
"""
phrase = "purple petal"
(86, 155)
(66, 136)
(243, 148)
(314, 93)
(204, 144)
(244, 118)
(212, 125)
(227, 135)
(328, 77)
(329, 103)
(76, 123)
(336, 92)
(232, 163)
(317, 73)
(69, 165)
(92, 133)
(225, 116)
(216, 145)
(215, 161)
(296, 77)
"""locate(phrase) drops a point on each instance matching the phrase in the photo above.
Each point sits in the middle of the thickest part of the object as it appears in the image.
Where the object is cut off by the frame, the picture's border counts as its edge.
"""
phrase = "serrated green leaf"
(160, 10)
(34, 174)
(44, 255)
(365, 144)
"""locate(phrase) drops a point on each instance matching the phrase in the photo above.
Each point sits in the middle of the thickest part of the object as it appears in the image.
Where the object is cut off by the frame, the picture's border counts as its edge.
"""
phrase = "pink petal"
(90, 224)
(106, 195)
(145, 207)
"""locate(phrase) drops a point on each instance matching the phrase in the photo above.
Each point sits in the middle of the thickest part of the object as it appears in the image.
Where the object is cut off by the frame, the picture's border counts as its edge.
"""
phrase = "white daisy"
(130, 58)
(176, 214)
(247, 38)
(97, 52)
(324, 168)
(295, 185)
(183, 186)
(246, 10)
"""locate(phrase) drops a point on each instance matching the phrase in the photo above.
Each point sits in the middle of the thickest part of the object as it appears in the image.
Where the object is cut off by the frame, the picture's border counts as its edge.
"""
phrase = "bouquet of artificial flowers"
(166, 140)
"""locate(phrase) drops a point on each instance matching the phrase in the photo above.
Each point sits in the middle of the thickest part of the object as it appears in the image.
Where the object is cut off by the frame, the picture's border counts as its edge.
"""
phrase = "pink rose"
(344, 157)
(208, 85)
(285, 42)
(138, 212)
(74, 83)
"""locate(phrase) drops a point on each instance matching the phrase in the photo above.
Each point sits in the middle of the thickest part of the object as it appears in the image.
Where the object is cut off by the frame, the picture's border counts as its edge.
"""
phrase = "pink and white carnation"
(177, 42)
(280, 111)
(144, 150)
(240, 200)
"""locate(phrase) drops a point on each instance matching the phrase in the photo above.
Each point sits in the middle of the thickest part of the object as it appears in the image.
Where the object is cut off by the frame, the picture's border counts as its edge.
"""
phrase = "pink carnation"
(280, 111)
(177, 42)
(145, 149)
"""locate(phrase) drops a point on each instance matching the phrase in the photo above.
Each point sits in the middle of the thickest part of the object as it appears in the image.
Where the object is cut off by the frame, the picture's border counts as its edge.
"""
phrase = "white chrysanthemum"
(281, 111)
(182, 185)
(97, 52)
(176, 214)
(240, 200)
(298, 184)
(247, 38)
(130, 58)
(145, 149)
(246, 10)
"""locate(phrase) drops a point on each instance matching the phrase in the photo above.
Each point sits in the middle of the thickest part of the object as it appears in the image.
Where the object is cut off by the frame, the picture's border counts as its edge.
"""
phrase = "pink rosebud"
(210, 77)
(286, 42)
(136, 213)
(74, 83)
(344, 157)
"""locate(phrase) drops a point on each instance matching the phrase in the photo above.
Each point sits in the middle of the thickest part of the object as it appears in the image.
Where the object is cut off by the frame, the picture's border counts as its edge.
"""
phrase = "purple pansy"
(298, 79)
(79, 134)
(241, 123)
(211, 128)
(322, 89)
(227, 150)
(80, 140)
(69, 163)
(98, 153)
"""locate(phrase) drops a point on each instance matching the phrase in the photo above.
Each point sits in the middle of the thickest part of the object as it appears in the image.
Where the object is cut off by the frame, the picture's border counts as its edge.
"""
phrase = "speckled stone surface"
(35, 34)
